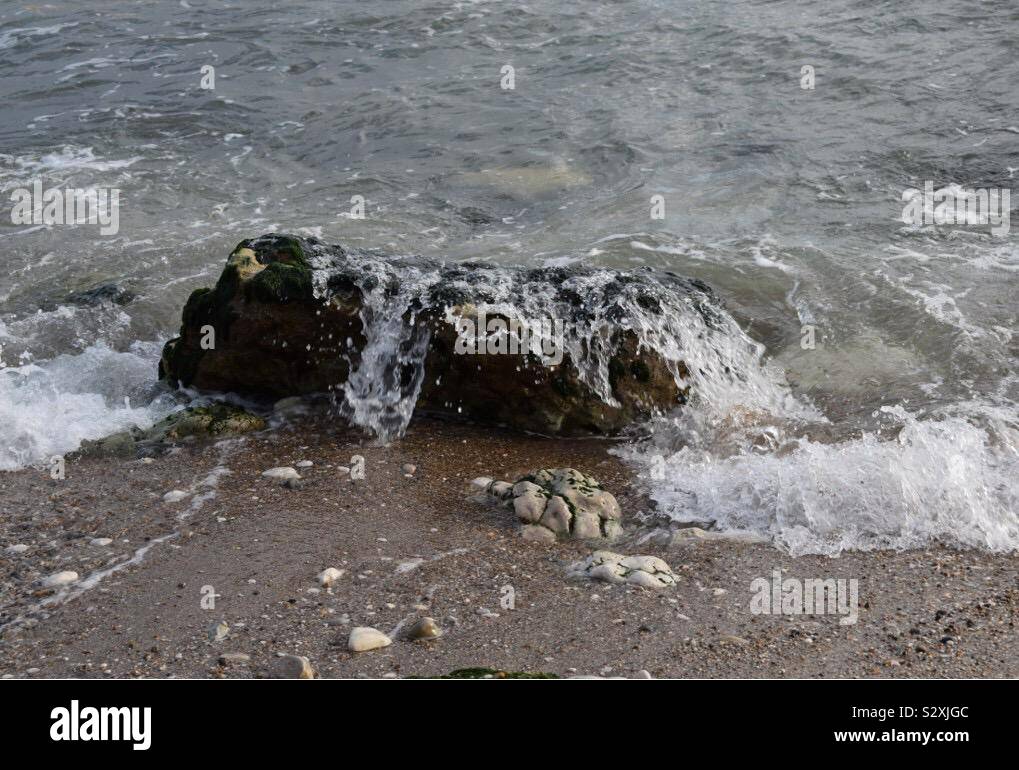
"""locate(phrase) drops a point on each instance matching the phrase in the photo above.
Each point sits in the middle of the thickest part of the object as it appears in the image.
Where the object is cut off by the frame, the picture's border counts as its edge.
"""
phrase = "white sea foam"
(16, 170)
(13, 37)
(49, 408)
(947, 478)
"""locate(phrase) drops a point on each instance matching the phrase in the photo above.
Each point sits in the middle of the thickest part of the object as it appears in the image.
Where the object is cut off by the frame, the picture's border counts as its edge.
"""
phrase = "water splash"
(946, 478)
(50, 408)
(678, 318)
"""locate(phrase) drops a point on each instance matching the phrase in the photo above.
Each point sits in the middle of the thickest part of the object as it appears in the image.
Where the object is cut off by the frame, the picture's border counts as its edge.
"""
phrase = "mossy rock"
(286, 319)
(270, 336)
(213, 420)
(116, 445)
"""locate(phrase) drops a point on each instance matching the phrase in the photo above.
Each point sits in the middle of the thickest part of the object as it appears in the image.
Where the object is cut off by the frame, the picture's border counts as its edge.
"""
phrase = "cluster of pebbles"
(554, 503)
(646, 571)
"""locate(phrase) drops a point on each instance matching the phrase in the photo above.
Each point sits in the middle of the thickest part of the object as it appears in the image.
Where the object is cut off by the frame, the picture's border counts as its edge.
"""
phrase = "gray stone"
(116, 445)
(644, 571)
(501, 489)
(557, 516)
(282, 473)
(425, 628)
(613, 530)
(481, 483)
(329, 576)
(530, 505)
(586, 525)
(292, 667)
(695, 534)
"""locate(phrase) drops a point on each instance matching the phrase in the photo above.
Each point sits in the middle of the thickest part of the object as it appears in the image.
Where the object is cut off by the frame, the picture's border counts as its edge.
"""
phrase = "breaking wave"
(49, 408)
(948, 477)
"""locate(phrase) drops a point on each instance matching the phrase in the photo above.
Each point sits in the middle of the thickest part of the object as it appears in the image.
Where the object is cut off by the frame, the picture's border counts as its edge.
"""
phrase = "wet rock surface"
(212, 421)
(389, 336)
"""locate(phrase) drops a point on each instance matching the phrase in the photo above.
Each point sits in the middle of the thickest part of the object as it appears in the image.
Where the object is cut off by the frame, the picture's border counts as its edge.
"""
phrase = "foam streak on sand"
(209, 483)
(78, 588)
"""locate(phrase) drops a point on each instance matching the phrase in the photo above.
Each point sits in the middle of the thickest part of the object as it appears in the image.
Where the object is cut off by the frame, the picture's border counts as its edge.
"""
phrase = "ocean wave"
(946, 478)
(49, 408)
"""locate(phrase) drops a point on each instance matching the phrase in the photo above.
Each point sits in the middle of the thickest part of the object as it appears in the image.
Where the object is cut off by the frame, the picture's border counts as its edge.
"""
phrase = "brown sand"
(937, 612)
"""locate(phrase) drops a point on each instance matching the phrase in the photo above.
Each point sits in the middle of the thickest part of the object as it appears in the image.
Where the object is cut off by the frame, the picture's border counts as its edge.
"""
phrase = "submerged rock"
(557, 350)
(695, 534)
(559, 502)
(107, 292)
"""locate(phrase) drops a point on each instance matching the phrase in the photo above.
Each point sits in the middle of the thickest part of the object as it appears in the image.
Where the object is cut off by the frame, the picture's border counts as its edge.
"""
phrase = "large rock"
(293, 316)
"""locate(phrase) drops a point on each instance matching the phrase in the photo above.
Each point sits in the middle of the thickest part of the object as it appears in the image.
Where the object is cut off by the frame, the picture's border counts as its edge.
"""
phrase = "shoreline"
(414, 545)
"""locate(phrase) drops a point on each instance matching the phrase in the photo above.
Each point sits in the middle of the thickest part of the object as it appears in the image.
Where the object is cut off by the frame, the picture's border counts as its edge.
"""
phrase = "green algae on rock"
(216, 420)
(556, 503)
(235, 336)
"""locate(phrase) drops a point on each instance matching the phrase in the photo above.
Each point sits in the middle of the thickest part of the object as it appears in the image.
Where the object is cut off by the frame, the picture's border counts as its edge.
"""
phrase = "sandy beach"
(421, 544)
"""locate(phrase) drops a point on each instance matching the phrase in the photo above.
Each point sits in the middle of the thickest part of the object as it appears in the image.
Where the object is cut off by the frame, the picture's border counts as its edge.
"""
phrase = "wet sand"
(424, 546)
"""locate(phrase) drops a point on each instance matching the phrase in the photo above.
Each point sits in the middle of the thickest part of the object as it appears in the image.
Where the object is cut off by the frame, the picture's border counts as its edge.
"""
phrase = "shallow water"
(787, 201)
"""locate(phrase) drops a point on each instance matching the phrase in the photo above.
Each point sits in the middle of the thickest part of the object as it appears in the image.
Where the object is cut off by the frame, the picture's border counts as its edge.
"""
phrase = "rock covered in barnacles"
(646, 571)
(562, 501)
